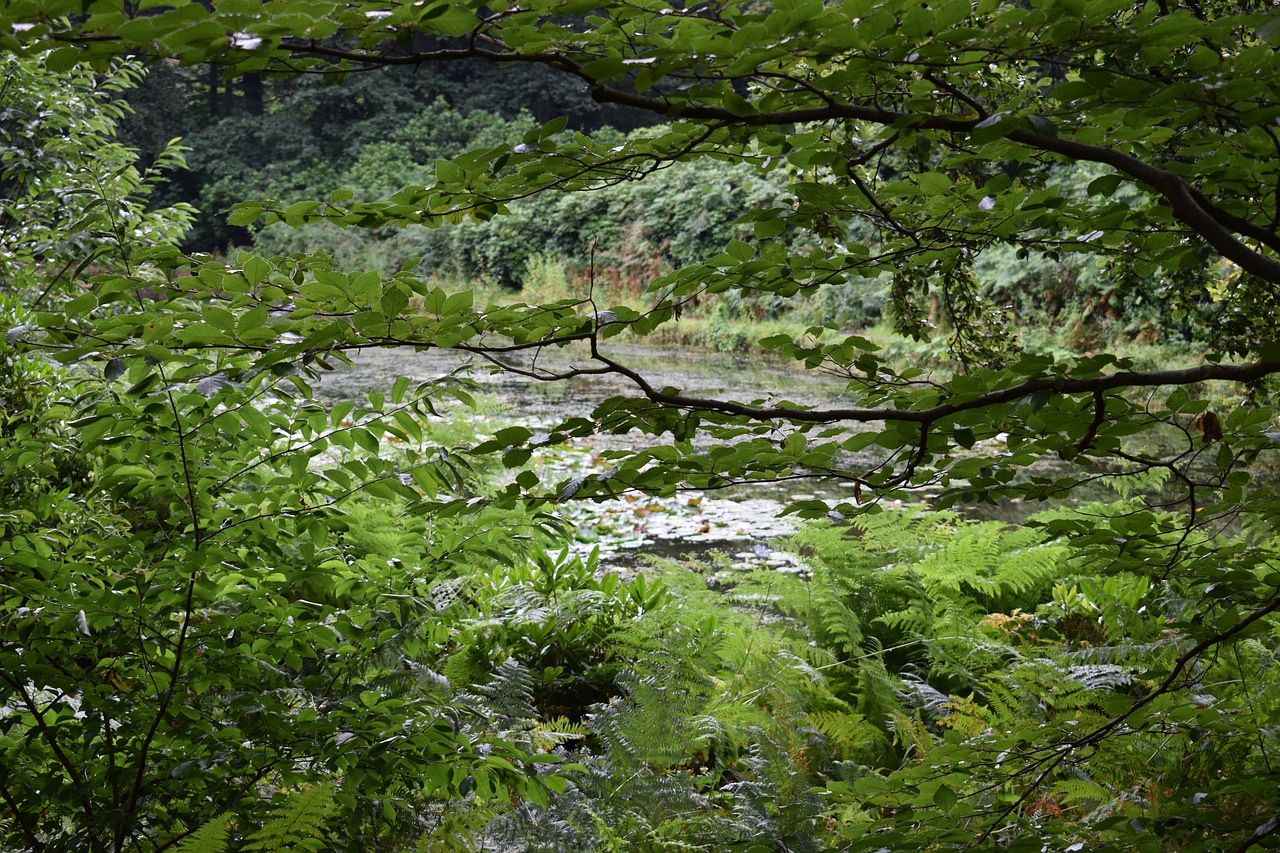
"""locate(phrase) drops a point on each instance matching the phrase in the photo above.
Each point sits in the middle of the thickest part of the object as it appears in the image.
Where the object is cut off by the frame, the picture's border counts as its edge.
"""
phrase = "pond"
(739, 523)
(532, 402)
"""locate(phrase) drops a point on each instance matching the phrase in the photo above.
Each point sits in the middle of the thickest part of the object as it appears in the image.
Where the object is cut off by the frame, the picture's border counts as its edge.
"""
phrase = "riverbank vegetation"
(1035, 244)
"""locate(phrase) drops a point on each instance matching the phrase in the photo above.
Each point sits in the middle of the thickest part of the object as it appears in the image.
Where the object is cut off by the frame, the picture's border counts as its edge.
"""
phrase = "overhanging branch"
(1058, 385)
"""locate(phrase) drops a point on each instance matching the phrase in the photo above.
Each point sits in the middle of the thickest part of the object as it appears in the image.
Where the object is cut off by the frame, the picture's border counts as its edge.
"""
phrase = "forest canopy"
(197, 648)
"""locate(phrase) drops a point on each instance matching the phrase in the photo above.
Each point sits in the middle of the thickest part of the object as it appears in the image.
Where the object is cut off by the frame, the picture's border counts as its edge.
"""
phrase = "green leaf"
(256, 269)
(295, 213)
(945, 798)
(458, 303)
(605, 70)
(740, 251)
(62, 59)
(935, 183)
(1269, 31)
(245, 213)
(768, 228)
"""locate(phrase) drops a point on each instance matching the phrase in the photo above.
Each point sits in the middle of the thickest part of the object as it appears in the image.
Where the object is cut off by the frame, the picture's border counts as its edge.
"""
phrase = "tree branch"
(1099, 415)
(1060, 385)
(50, 737)
(28, 832)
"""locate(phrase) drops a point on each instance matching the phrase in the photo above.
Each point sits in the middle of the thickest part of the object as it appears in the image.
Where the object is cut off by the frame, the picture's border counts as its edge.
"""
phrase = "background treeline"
(373, 133)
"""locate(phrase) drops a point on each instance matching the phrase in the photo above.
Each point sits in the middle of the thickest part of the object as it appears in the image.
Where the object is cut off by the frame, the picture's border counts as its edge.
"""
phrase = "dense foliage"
(236, 618)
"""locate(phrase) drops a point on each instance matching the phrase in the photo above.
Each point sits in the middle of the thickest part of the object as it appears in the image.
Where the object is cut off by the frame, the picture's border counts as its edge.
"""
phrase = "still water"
(741, 523)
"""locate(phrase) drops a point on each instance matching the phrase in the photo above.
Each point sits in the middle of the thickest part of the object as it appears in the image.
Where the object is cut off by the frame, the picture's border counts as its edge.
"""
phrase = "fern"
(1007, 700)
(851, 735)
(769, 591)
(210, 838)
(604, 809)
(550, 734)
(297, 825)
(1100, 676)
(505, 702)
(917, 586)
(1082, 790)
(468, 665)
(966, 716)
(912, 735)
(1139, 480)
(704, 748)
(840, 624)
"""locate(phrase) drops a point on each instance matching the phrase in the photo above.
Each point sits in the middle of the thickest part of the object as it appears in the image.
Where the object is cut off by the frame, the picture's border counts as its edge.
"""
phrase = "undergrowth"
(786, 714)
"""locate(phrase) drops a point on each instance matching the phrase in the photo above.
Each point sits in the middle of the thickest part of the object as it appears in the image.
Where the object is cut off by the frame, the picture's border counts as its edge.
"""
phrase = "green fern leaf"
(1081, 791)
(210, 838)
(299, 823)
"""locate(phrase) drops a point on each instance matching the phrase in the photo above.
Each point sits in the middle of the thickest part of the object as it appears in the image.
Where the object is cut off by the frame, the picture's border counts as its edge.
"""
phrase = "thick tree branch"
(1189, 205)
(1059, 385)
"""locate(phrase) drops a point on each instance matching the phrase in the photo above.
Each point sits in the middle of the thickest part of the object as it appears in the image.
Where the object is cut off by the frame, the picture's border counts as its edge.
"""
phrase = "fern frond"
(1081, 791)
(912, 734)
(466, 666)
(210, 838)
(965, 716)
(549, 734)
(1008, 702)
(878, 699)
(508, 695)
(839, 624)
(926, 697)
(765, 590)
(848, 731)
(447, 593)
(298, 824)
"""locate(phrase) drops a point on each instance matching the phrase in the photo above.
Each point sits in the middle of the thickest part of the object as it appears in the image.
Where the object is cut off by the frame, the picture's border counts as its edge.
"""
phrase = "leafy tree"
(936, 125)
(67, 210)
(184, 639)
